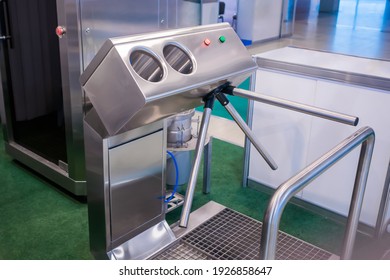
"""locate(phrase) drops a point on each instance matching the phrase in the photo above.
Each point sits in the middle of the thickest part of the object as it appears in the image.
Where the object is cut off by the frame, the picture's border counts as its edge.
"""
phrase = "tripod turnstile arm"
(185, 213)
(295, 106)
(246, 129)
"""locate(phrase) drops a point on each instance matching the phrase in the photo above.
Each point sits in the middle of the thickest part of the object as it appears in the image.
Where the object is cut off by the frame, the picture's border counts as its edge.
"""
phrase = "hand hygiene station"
(134, 84)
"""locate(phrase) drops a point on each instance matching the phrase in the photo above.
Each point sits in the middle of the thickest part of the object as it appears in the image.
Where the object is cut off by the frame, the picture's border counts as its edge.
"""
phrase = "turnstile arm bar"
(299, 107)
(185, 212)
(288, 189)
(251, 136)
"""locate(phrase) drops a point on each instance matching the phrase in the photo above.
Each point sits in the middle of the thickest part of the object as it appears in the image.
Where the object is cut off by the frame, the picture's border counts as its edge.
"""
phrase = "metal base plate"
(230, 235)
(144, 244)
(175, 202)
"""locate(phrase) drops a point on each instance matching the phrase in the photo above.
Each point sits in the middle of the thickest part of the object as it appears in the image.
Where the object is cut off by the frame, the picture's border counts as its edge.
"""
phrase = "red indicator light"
(207, 42)
(60, 31)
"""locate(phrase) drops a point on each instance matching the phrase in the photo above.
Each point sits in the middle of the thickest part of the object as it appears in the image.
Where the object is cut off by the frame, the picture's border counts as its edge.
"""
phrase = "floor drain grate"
(182, 251)
(230, 235)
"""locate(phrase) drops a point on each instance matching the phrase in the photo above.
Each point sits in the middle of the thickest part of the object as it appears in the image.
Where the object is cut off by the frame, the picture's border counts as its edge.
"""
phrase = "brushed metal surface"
(136, 187)
(121, 203)
(73, 97)
(101, 20)
(146, 243)
(46, 168)
(137, 101)
(179, 129)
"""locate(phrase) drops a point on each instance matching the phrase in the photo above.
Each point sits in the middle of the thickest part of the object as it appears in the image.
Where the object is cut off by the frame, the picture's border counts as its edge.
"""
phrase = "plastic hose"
(176, 177)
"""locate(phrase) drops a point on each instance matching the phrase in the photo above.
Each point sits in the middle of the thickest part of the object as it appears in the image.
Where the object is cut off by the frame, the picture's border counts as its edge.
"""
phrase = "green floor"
(39, 221)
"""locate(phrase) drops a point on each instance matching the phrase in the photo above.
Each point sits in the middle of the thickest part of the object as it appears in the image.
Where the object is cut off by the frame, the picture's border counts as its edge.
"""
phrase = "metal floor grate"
(230, 235)
(182, 251)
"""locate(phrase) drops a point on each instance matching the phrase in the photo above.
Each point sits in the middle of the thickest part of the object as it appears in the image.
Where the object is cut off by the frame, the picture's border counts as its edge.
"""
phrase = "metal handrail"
(364, 136)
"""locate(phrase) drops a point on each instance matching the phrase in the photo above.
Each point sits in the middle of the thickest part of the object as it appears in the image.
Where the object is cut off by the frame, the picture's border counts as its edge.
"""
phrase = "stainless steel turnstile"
(134, 83)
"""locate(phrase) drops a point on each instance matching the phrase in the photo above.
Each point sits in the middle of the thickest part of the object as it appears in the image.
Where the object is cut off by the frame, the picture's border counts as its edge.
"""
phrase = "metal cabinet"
(260, 20)
(42, 103)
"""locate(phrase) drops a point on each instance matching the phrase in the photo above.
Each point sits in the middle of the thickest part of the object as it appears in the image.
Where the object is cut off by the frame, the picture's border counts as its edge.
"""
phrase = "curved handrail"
(364, 136)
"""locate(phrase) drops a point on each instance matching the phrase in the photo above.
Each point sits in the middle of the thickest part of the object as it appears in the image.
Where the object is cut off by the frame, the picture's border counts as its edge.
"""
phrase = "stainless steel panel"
(73, 98)
(96, 151)
(121, 205)
(102, 19)
(145, 244)
(288, 18)
(46, 168)
(188, 13)
(142, 101)
(136, 187)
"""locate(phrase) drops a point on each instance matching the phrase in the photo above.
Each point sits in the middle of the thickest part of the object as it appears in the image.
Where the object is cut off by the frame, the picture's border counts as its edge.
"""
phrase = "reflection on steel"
(381, 224)
(366, 137)
(207, 166)
(146, 65)
(303, 108)
(137, 101)
(251, 136)
(179, 129)
(185, 214)
(178, 59)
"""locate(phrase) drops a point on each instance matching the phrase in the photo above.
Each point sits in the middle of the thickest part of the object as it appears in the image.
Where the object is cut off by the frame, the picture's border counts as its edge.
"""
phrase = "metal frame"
(185, 214)
(381, 223)
(247, 143)
(332, 75)
(73, 98)
(71, 177)
(207, 155)
(283, 33)
(366, 137)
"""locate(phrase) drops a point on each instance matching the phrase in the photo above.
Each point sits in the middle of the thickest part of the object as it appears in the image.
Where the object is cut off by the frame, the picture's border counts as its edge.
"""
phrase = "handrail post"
(295, 184)
(357, 197)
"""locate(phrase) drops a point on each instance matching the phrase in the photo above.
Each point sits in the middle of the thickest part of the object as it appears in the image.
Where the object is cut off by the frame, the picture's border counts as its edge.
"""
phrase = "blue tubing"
(176, 179)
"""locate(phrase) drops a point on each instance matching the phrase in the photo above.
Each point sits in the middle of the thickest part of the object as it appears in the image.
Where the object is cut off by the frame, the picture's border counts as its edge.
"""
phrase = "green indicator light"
(222, 39)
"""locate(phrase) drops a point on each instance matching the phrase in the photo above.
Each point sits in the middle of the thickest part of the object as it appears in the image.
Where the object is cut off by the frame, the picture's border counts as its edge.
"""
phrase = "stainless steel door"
(288, 18)
(136, 185)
